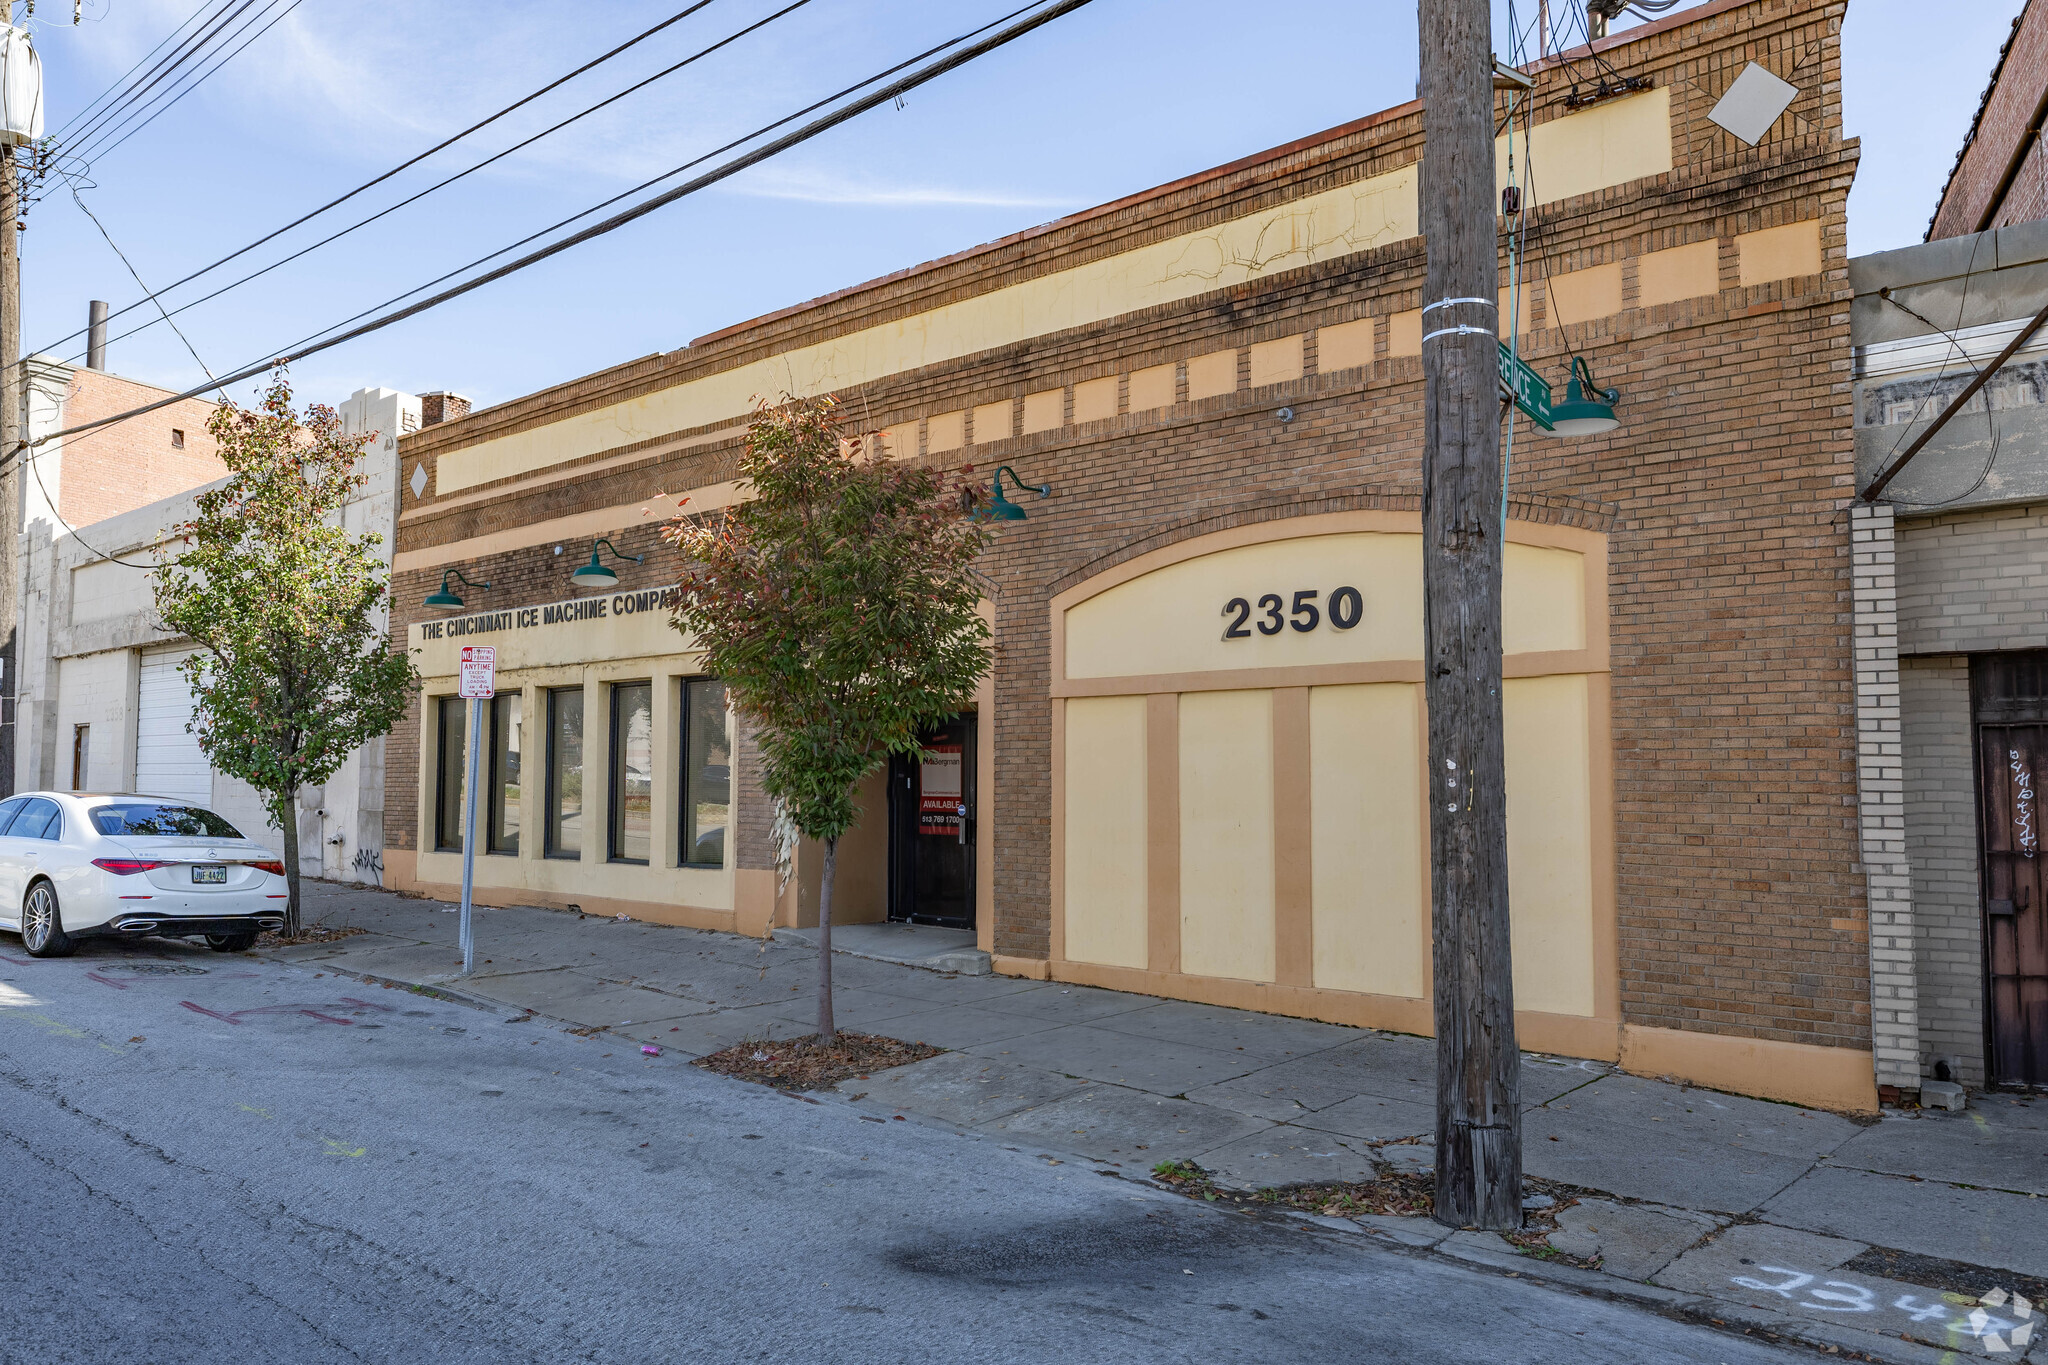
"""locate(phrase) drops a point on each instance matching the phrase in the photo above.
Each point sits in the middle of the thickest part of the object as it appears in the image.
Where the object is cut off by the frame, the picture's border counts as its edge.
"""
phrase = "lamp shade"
(444, 600)
(594, 575)
(1579, 415)
(21, 89)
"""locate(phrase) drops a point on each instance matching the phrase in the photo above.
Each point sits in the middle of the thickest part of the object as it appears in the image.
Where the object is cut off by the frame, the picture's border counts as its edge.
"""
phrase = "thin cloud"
(825, 189)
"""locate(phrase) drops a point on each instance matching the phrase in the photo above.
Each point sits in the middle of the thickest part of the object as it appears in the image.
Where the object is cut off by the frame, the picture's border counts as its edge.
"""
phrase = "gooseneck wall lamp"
(446, 598)
(1000, 508)
(597, 575)
(1587, 409)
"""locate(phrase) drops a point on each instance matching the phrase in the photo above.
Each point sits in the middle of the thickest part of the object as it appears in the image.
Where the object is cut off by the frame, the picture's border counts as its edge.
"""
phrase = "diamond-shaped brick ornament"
(419, 481)
(1752, 104)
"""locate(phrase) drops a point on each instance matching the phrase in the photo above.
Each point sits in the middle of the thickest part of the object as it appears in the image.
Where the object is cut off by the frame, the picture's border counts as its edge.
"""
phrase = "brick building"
(1168, 788)
(2000, 175)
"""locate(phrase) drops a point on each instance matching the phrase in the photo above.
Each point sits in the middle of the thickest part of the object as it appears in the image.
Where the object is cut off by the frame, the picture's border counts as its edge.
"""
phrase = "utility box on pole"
(1478, 1092)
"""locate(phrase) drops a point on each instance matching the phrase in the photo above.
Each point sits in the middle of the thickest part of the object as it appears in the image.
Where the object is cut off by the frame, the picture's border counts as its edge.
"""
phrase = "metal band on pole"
(1456, 331)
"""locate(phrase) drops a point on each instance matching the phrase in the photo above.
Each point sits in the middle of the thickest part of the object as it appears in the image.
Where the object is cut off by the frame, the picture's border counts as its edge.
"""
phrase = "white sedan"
(76, 865)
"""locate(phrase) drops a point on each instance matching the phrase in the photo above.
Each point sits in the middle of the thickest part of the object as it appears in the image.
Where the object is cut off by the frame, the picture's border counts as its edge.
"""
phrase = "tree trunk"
(1478, 1128)
(290, 824)
(826, 1032)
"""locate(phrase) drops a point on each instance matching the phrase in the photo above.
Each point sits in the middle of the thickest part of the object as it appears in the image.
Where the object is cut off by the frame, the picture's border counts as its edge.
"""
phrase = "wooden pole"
(1478, 1126)
(12, 416)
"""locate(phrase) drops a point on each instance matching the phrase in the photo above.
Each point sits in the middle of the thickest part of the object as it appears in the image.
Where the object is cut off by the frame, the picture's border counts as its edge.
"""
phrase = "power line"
(194, 83)
(810, 130)
(405, 165)
(109, 91)
(163, 70)
(471, 170)
(671, 173)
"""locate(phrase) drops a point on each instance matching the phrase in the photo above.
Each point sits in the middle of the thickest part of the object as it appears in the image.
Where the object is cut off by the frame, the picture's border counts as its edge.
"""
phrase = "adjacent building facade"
(1197, 769)
(103, 704)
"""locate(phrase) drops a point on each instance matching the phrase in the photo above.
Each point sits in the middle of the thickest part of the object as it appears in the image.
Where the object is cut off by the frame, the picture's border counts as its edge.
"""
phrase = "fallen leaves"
(800, 1064)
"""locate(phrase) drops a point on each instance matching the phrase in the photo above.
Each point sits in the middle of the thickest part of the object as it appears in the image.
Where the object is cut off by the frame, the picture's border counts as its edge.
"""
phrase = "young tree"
(292, 674)
(840, 605)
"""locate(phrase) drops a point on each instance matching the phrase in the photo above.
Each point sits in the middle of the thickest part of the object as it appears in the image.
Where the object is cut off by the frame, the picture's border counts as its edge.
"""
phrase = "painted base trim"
(1563, 1034)
(680, 916)
(1837, 1078)
(1030, 968)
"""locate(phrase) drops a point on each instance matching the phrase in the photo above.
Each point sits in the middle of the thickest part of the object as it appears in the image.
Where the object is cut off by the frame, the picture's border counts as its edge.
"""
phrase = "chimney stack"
(442, 407)
(96, 335)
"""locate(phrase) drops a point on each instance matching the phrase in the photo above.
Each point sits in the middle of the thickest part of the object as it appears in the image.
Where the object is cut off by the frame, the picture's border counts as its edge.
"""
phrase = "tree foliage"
(840, 604)
(293, 673)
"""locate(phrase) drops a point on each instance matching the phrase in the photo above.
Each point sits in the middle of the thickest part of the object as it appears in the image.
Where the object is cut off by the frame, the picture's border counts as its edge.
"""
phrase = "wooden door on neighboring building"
(2012, 756)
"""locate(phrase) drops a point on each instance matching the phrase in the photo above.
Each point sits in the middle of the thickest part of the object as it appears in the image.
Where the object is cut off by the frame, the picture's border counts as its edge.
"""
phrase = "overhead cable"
(471, 170)
(102, 148)
(405, 165)
(884, 95)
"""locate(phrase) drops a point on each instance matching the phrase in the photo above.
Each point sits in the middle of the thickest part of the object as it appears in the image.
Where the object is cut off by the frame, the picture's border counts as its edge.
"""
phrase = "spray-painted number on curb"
(1810, 1292)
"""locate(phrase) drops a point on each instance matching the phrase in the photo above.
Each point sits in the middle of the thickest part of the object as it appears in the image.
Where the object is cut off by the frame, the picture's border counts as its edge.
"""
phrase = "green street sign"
(1525, 386)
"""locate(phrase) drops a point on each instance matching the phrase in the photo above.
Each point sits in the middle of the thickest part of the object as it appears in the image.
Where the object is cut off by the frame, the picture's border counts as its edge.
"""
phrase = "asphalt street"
(212, 1158)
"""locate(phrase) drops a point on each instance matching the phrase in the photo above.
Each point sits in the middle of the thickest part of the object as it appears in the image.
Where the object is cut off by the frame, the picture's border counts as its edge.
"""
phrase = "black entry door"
(931, 829)
(2011, 759)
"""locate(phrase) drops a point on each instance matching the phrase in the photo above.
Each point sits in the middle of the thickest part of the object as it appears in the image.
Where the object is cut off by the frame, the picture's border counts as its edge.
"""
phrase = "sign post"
(479, 685)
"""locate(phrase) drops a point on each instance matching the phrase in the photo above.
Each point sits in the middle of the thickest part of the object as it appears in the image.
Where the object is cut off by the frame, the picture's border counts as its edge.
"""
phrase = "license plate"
(204, 875)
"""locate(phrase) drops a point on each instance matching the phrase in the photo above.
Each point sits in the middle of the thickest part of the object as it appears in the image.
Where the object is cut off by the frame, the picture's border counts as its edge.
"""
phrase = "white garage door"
(167, 758)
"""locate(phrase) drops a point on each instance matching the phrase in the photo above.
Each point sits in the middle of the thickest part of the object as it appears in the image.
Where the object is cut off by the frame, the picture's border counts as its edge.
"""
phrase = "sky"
(1114, 98)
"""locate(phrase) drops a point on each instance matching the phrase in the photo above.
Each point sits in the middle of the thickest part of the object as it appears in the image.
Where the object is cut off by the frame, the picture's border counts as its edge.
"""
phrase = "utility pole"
(11, 459)
(1478, 1089)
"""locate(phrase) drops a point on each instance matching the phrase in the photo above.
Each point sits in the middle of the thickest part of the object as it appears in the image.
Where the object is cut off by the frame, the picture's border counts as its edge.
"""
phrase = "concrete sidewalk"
(1872, 1236)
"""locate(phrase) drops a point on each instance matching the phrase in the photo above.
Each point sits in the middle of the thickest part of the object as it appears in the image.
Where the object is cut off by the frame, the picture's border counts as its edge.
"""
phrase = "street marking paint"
(57, 1027)
(1959, 1315)
(326, 1018)
(106, 981)
(201, 1009)
(335, 1148)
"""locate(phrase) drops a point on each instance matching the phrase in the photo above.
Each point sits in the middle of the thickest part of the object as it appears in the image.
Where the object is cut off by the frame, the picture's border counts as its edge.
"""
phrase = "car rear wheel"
(232, 943)
(42, 924)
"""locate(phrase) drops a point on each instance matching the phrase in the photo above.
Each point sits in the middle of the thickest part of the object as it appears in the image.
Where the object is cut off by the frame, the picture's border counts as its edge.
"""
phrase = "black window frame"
(445, 840)
(494, 811)
(551, 815)
(615, 776)
(686, 806)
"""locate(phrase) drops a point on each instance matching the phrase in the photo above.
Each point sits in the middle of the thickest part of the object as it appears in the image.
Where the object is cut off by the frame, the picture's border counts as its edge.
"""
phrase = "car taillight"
(274, 869)
(128, 867)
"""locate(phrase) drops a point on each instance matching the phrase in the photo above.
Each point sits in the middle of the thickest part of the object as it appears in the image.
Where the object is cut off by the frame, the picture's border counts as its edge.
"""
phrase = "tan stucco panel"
(1779, 253)
(1684, 272)
(1044, 411)
(1612, 143)
(1404, 333)
(947, 431)
(1106, 872)
(1212, 374)
(1370, 850)
(1156, 387)
(1095, 399)
(1550, 842)
(1277, 361)
(1582, 295)
(1226, 834)
(992, 422)
(1345, 346)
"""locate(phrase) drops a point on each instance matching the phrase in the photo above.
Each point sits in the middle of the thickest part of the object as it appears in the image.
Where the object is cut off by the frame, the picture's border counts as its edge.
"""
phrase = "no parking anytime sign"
(479, 671)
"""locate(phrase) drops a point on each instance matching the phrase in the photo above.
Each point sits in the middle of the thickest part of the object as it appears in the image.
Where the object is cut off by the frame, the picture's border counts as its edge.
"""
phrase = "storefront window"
(707, 773)
(449, 774)
(506, 741)
(565, 773)
(632, 775)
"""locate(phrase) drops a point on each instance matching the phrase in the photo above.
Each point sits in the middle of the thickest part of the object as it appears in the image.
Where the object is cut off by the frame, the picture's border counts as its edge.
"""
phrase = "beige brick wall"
(1941, 841)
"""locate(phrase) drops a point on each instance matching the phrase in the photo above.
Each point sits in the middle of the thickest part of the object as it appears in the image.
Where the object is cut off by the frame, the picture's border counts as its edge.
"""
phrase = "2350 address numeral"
(1346, 609)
